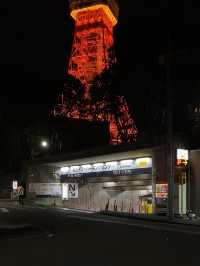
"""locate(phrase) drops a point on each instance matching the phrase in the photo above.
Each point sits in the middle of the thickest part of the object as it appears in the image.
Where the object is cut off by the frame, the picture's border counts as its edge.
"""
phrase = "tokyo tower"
(93, 38)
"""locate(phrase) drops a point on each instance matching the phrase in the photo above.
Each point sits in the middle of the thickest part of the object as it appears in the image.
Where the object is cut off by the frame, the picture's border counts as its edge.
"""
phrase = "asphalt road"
(34, 237)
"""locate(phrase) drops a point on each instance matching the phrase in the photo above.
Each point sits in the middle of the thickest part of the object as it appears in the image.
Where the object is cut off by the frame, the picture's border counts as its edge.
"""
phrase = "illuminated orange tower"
(94, 22)
(93, 36)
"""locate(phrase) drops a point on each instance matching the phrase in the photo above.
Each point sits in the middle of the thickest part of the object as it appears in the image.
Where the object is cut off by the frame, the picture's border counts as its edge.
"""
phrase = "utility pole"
(170, 137)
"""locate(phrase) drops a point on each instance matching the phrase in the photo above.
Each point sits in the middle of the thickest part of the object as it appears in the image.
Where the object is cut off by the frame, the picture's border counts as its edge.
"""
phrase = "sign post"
(14, 189)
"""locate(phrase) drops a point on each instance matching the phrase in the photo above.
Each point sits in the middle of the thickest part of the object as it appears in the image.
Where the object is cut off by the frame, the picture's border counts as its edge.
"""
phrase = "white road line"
(75, 210)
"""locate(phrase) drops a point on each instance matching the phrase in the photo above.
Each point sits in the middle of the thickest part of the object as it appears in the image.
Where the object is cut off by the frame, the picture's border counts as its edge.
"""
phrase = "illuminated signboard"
(127, 167)
(139, 163)
(182, 157)
(15, 185)
(143, 163)
(65, 190)
(182, 154)
(161, 190)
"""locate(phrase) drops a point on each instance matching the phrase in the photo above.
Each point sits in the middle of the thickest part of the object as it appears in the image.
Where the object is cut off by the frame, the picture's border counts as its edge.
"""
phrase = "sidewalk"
(13, 203)
(153, 218)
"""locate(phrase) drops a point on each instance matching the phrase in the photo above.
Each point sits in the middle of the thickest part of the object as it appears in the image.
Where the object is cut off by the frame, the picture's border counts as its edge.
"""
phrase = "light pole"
(170, 136)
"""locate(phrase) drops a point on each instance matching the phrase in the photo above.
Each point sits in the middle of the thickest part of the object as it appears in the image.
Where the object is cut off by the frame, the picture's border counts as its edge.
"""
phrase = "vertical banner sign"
(65, 189)
(15, 185)
(73, 190)
(14, 194)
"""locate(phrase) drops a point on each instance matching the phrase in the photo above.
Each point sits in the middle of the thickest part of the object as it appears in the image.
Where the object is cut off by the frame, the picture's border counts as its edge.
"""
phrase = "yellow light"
(106, 9)
(143, 162)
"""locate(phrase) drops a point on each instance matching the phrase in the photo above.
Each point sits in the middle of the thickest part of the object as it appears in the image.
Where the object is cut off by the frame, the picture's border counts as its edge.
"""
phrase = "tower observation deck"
(111, 7)
(93, 36)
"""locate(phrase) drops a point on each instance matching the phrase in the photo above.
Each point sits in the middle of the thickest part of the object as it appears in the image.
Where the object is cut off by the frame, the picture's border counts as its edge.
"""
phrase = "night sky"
(36, 37)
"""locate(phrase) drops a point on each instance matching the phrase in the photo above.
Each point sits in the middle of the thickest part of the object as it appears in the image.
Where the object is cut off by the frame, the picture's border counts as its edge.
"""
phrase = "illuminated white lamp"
(44, 144)
(112, 164)
(98, 165)
(64, 169)
(86, 166)
(75, 168)
(126, 162)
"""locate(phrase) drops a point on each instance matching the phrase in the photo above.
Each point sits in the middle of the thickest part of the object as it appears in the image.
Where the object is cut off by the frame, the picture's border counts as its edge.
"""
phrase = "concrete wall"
(92, 194)
(39, 174)
(94, 197)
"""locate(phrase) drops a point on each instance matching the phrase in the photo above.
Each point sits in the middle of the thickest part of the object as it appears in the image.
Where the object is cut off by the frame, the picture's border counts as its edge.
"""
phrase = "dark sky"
(36, 39)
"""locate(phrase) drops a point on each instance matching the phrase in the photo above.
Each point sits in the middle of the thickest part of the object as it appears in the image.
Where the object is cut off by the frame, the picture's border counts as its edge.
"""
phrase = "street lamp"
(44, 144)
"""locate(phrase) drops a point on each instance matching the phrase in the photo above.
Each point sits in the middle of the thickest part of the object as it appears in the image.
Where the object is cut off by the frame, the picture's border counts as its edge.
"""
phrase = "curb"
(151, 218)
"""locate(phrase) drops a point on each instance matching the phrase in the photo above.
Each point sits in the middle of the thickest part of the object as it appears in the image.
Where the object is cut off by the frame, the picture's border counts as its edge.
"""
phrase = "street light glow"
(44, 144)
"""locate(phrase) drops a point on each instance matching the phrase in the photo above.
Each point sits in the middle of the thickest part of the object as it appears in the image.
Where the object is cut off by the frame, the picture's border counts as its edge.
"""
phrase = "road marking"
(76, 210)
(4, 210)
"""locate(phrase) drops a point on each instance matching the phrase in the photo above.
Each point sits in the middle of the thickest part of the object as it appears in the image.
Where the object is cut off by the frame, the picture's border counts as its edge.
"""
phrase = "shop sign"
(81, 176)
(69, 190)
(161, 195)
(161, 190)
(73, 190)
(15, 185)
(120, 166)
(182, 157)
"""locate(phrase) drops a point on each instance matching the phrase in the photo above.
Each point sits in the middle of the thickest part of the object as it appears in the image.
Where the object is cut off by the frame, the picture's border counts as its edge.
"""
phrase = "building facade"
(122, 181)
(130, 181)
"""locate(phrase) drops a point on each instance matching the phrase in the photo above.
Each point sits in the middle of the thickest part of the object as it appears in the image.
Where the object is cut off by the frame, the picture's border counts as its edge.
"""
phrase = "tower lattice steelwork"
(93, 38)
